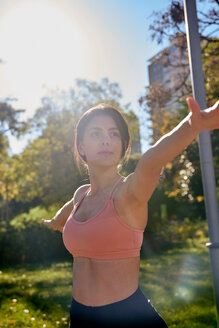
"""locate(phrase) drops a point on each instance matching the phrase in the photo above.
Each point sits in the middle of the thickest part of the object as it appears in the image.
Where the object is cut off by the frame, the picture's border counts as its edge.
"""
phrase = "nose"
(106, 139)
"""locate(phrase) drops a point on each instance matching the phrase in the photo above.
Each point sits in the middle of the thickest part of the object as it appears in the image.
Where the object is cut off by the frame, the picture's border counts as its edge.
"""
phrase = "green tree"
(9, 122)
(8, 188)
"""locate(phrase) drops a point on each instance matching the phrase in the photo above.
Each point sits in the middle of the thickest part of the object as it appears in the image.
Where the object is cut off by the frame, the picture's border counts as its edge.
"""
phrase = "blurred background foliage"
(38, 181)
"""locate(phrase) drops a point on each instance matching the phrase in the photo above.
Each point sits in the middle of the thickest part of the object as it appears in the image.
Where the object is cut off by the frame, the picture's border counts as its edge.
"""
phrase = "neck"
(102, 180)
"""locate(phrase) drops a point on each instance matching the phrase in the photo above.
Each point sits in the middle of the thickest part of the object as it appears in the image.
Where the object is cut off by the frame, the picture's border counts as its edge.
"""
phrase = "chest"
(90, 208)
(130, 213)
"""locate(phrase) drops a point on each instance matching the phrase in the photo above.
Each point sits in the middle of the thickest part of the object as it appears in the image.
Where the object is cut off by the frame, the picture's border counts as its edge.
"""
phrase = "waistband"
(128, 299)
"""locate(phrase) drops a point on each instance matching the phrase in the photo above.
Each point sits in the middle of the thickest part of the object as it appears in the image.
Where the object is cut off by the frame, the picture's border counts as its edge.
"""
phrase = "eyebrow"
(98, 128)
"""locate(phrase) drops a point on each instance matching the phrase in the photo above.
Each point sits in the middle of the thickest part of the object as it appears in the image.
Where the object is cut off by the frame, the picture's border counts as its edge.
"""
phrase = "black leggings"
(133, 312)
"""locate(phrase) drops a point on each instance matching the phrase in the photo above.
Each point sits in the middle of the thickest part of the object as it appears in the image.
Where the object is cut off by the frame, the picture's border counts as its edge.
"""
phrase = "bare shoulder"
(140, 184)
(131, 192)
(79, 193)
(132, 211)
(124, 188)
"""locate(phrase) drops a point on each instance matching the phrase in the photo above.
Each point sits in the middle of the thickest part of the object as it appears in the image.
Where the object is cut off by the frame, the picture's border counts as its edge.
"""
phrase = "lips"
(105, 153)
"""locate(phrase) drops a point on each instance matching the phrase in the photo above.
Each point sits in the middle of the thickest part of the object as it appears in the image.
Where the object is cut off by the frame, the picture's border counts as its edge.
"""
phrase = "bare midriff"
(100, 282)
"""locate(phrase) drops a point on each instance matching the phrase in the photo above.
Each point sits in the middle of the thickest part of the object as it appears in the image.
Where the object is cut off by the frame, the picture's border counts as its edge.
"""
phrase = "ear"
(81, 149)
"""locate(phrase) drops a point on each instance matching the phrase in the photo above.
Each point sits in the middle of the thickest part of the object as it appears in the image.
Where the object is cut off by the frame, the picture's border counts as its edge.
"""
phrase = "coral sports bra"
(104, 236)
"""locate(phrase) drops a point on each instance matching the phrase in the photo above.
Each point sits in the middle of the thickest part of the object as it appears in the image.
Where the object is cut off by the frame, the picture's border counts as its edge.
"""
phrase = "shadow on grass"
(41, 286)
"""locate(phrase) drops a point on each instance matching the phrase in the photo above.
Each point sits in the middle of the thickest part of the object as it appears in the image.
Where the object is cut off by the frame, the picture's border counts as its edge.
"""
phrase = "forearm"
(62, 215)
(172, 143)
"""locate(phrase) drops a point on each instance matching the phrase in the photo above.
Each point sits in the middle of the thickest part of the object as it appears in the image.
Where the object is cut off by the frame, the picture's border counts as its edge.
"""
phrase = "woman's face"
(102, 144)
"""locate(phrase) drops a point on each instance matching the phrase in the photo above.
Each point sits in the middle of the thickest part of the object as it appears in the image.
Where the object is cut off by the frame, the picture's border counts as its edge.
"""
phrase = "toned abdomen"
(101, 282)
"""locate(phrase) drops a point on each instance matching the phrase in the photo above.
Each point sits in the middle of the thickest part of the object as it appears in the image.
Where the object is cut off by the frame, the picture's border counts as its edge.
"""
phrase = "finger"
(46, 221)
(193, 105)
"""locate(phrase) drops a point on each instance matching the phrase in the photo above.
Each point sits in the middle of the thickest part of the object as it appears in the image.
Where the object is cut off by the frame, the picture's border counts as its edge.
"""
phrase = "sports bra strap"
(85, 193)
(114, 187)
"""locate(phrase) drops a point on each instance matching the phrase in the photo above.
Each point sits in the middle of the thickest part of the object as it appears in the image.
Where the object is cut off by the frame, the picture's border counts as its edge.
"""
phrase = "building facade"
(169, 69)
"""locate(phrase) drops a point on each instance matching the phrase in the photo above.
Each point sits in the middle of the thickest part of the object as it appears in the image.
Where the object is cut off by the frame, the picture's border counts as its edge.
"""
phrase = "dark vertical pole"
(205, 149)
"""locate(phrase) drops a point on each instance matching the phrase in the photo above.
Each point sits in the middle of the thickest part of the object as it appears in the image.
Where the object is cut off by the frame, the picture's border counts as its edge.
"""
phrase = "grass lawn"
(35, 295)
(178, 283)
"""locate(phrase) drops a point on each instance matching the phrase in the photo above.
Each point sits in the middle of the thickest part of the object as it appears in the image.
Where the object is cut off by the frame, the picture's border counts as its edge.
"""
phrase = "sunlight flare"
(186, 286)
(41, 46)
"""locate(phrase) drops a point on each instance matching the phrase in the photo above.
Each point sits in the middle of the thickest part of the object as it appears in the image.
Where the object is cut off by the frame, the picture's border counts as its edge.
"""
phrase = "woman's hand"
(52, 224)
(207, 119)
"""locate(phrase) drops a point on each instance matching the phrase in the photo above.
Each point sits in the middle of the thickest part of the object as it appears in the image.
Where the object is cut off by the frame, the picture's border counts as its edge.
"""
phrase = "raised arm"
(142, 182)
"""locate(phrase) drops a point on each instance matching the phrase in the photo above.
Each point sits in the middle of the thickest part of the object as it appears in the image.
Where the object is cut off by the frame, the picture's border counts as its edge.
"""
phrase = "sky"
(48, 44)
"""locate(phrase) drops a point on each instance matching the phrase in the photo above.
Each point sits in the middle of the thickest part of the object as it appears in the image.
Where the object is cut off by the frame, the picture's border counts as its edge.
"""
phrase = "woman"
(103, 224)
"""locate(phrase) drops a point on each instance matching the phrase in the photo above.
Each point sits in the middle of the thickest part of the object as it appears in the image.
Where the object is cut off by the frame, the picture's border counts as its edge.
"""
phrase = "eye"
(115, 134)
(95, 133)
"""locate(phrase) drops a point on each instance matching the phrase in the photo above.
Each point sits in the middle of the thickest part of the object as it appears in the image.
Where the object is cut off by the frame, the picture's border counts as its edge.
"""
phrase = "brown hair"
(101, 109)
